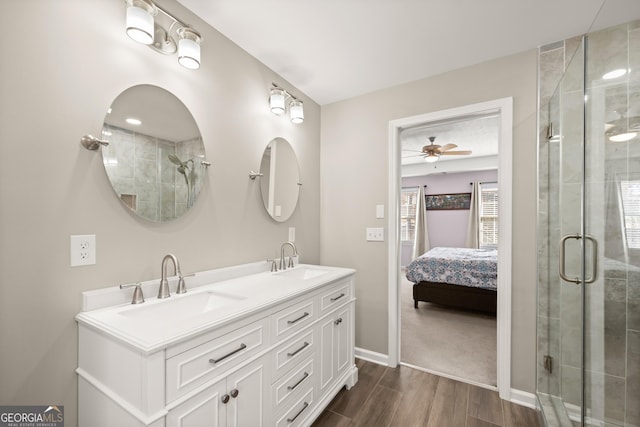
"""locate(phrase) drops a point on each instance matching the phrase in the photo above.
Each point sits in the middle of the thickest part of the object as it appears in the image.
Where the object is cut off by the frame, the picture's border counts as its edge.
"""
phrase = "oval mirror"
(280, 180)
(155, 159)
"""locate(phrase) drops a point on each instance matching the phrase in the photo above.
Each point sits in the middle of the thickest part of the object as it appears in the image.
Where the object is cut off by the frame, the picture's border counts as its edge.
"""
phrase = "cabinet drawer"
(298, 412)
(194, 367)
(292, 319)
(293, 351)
(298, 380)
(335, 297)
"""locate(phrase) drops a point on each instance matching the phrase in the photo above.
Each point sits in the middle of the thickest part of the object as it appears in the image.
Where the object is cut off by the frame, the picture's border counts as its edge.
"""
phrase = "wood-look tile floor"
(405, 397)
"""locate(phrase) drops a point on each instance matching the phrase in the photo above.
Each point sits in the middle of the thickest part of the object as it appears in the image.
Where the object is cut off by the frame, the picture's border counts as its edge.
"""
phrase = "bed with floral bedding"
(456, 277)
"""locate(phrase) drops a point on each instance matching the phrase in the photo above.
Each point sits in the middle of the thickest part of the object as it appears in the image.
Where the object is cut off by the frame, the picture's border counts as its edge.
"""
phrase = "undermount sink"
(181, 306)
(302, 273)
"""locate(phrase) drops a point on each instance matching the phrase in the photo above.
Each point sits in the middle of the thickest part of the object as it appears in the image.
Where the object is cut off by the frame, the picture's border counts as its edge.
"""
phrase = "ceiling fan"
(432, 152)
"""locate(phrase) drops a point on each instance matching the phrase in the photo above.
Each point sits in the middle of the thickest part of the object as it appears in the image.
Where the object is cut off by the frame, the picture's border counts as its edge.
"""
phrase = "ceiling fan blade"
(446, 147)
(456, 153)
(412, 155)
(413, 151)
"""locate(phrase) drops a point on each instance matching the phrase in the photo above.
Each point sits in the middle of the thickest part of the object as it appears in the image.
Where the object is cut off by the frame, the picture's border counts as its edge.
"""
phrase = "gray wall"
(354, 171)
(58, 75)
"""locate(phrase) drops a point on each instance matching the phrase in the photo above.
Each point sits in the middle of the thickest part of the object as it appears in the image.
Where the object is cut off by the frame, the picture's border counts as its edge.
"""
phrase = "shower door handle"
(563, 242)
(594, 256)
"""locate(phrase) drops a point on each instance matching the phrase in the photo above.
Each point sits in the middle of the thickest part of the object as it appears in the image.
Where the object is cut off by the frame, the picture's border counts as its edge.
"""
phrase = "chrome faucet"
(163, 291)
(295, 253)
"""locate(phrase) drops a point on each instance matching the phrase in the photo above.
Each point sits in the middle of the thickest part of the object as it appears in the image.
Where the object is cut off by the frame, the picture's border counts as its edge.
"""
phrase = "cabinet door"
(203, 410)
(342, 339)
(249, 392)
(327, 371)
(335, 346)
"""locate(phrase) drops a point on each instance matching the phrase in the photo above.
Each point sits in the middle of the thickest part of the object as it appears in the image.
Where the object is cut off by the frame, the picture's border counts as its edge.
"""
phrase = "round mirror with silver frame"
(280, 179)
(154, 155)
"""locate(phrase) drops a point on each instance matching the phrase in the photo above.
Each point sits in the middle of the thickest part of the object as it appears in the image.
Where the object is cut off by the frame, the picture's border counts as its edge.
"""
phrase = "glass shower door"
(589, 224)
(612, 217)
(560, 372)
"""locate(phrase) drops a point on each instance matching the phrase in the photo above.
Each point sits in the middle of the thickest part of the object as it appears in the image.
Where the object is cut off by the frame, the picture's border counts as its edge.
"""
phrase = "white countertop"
(148, 327)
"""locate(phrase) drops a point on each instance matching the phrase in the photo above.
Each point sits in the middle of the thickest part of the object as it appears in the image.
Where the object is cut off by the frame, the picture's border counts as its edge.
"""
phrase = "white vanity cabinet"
(277, 361)
(240, 400)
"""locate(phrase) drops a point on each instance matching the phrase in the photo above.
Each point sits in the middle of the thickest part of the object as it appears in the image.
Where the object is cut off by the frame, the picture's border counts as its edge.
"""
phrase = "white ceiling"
(478, 134)
(337, 49)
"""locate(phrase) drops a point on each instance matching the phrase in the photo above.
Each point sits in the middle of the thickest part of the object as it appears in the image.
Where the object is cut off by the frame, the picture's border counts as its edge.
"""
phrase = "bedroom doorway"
(501, 110)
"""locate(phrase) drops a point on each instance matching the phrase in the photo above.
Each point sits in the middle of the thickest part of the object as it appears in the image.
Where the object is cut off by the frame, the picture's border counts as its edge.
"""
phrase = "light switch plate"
(379, 211)
(375, 234)
(292, 234)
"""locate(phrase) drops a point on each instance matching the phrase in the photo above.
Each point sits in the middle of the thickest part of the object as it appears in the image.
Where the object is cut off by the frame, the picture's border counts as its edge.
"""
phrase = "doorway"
(503, 109)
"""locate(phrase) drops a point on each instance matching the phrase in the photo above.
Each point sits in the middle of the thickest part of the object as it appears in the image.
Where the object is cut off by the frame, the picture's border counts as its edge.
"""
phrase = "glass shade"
(139, 25)
(189, 53)
(276, 101)
(431, 158)
(296, 111)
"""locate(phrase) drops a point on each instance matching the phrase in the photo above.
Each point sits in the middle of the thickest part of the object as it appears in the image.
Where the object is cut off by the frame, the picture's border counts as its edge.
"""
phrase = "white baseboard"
(372, 356)
(524, 398)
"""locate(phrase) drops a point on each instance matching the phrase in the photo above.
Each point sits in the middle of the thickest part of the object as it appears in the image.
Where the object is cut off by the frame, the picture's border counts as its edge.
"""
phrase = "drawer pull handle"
(225, 398)
(234, 393)
(338, 297)
(291, 322)
(242, 347)
(290, 420)
(337, 322)
(305, 345)
(292, 387)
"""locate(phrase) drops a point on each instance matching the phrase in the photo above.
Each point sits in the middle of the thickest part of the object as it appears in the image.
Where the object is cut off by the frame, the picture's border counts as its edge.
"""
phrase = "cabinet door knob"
(225, 398)
(339, 321)
(234, 393)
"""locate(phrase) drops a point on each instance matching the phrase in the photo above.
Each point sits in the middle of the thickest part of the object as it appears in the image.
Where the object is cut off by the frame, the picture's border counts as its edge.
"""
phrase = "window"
(488, 210)
(630, 192)
(408, 200)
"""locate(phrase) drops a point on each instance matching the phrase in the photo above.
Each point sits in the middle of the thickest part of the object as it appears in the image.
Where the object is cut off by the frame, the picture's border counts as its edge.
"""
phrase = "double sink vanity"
(244, 346)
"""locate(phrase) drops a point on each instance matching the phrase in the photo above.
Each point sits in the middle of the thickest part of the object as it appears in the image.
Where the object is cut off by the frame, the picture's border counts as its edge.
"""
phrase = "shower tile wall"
(612, 347)
(138, 164)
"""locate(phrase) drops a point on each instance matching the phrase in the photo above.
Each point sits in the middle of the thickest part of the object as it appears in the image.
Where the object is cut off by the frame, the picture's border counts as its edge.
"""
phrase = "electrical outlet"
(83, 250)
(292, 234)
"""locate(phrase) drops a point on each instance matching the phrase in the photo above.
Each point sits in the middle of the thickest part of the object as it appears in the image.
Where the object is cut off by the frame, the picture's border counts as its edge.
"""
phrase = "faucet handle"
(138, 297)
(182, 286)
(274, 265)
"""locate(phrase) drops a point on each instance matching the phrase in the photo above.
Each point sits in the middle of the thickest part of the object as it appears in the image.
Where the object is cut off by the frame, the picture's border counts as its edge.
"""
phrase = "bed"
(456, 277)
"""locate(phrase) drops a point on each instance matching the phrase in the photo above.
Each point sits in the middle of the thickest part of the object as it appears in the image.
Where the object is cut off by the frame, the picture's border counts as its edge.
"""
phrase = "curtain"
(473, 239)
(421, 238)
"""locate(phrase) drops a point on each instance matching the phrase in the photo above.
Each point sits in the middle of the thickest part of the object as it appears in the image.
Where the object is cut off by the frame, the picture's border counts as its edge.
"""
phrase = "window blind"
(488, 210)
(630, 192)
(408, 200)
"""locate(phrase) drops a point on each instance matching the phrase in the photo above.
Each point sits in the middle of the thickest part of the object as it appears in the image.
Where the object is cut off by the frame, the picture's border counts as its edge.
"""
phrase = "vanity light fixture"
(189, 48)
(140, 20)
(277, 102)
(149, 24)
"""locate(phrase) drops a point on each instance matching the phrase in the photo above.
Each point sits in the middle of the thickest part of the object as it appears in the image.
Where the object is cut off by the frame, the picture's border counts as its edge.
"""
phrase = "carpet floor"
(448, 341)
